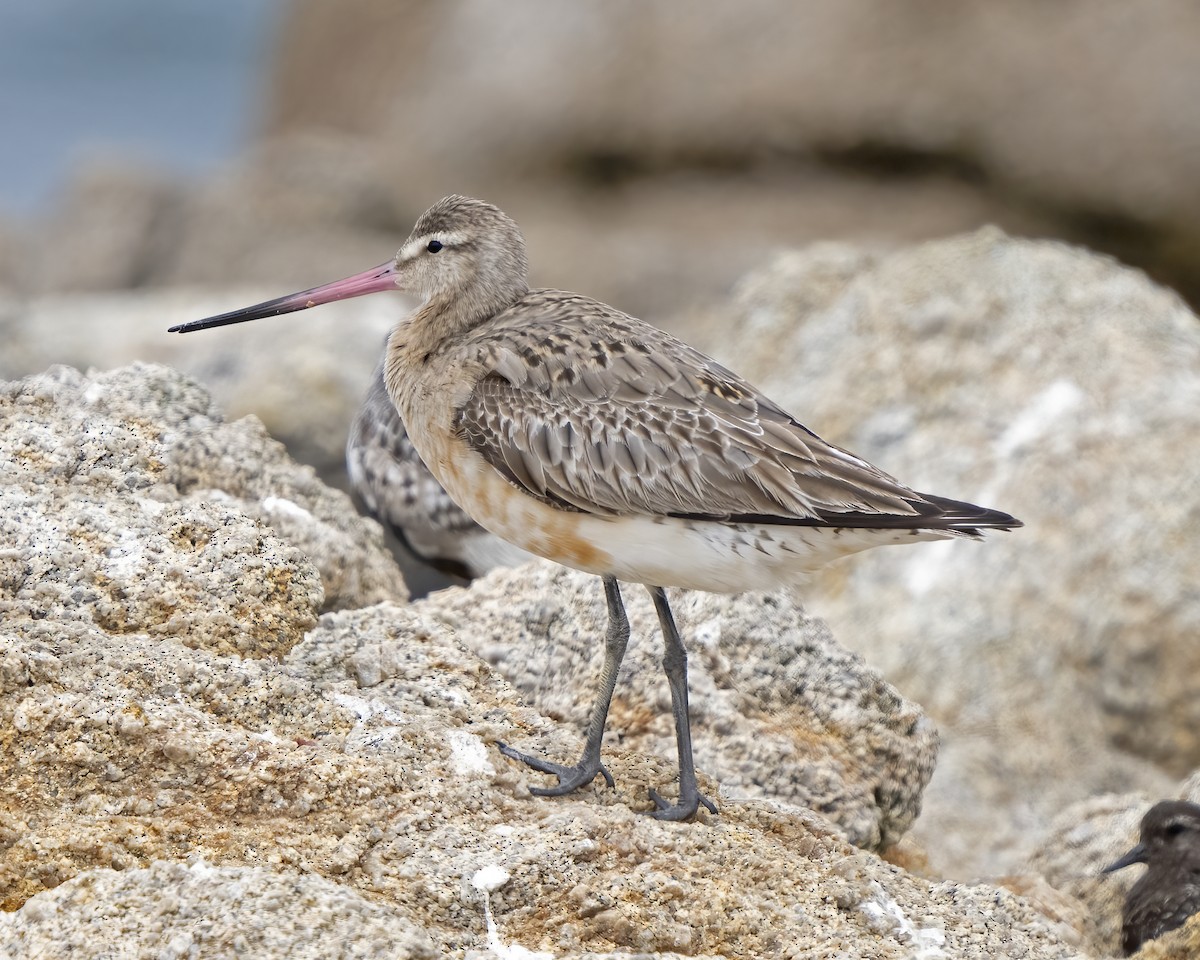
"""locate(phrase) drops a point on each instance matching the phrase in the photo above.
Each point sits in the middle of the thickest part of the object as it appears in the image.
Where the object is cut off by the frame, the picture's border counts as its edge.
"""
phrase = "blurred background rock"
(650, 149)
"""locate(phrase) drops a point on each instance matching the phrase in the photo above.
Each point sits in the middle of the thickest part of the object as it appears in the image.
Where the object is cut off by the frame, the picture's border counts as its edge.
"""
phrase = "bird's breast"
(501, 507)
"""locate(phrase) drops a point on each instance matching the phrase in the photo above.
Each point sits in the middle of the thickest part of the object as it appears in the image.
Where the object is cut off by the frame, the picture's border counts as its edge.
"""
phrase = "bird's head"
(465, 255)
(1170, 831)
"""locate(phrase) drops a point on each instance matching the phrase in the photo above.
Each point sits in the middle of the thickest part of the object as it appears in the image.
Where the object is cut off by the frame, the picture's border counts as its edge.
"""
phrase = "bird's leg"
(675, 665)
(584, 772)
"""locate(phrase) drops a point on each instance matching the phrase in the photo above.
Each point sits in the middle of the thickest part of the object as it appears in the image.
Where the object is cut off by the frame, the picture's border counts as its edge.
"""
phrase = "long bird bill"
(375, 280)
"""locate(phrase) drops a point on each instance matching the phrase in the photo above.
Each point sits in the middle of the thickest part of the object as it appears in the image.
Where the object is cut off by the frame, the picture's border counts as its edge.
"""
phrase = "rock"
(1058, 661)
(115, 227)
(128, 503)
(304, 380)
(1005, 91)
(352, 766)
(171, 909)
(778, 708)
(367, 758)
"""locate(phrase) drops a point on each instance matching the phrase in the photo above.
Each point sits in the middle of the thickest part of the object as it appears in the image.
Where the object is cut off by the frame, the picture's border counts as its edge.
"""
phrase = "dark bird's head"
(1170, 833)
(1169, 891)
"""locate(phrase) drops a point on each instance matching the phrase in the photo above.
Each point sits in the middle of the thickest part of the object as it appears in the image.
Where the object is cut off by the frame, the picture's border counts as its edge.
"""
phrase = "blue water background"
(174, 84)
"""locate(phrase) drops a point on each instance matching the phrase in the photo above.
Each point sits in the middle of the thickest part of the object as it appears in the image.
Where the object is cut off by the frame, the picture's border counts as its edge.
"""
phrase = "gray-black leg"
(675, 666)
(589, 765)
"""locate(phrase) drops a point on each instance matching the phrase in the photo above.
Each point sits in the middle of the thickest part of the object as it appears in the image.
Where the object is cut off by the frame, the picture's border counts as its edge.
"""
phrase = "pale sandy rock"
(180, 551)
(304, 377)
(95, 531)
(177, 910)
(1066, 913)
(161, 701)
(367, 758)
(778, 708)
(1059, 660)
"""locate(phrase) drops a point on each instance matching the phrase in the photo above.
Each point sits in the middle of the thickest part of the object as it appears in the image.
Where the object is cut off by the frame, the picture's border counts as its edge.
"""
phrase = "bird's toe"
(570, 778)
(685, 809)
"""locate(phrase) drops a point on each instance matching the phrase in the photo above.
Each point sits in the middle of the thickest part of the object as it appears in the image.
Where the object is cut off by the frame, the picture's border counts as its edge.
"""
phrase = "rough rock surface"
(212, 523)
(1060, 660)
(1085, 838)
(302, 376)
(366, 757)
(361, 755)
(778, 708)
(177, 910)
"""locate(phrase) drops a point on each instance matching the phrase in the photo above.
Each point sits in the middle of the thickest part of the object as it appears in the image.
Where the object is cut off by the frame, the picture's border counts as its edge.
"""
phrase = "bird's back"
(591, 410)
(1162, 900)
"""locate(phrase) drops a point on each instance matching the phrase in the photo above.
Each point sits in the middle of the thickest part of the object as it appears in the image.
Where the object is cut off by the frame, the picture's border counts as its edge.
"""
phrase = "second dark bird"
(1169, 891)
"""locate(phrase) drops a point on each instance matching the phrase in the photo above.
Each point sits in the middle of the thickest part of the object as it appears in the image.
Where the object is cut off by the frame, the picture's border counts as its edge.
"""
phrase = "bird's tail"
(964, 518)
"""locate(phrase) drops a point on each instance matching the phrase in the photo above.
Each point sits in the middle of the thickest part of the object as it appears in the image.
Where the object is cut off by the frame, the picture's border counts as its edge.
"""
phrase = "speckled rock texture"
(177, 910)
(129, 502)
(1085, 838)
(367, 757)
(778, 708)
(1060, 660)
(302, 376)
(202, 786)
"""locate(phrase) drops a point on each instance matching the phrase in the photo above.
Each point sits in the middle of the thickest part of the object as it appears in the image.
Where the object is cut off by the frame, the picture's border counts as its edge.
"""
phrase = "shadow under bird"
(584, 435)
(1169, 891)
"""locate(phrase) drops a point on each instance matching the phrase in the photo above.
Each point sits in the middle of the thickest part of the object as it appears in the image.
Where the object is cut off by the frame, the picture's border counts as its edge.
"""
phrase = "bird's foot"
(569, 777)
(689, 802)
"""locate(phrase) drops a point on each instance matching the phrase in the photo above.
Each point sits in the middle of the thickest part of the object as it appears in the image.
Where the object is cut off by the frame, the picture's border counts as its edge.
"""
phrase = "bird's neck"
(445, 317)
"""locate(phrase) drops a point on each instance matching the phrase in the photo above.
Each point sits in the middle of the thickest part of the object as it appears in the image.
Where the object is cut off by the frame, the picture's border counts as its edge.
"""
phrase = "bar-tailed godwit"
(584, 435)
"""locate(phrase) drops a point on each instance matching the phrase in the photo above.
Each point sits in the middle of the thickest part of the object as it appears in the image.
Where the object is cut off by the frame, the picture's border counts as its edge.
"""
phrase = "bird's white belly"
(663, 551)
(727, 558)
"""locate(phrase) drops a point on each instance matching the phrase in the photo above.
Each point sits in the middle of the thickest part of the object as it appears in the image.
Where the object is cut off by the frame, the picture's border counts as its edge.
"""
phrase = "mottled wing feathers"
(592, 410)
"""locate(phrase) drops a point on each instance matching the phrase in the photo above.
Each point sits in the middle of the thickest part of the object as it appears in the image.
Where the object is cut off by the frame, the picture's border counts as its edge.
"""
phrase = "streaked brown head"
(465, 255)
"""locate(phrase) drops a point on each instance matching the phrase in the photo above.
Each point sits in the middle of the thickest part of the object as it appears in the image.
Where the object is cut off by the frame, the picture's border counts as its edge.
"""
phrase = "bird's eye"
(1174, 829)
(434, 246)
